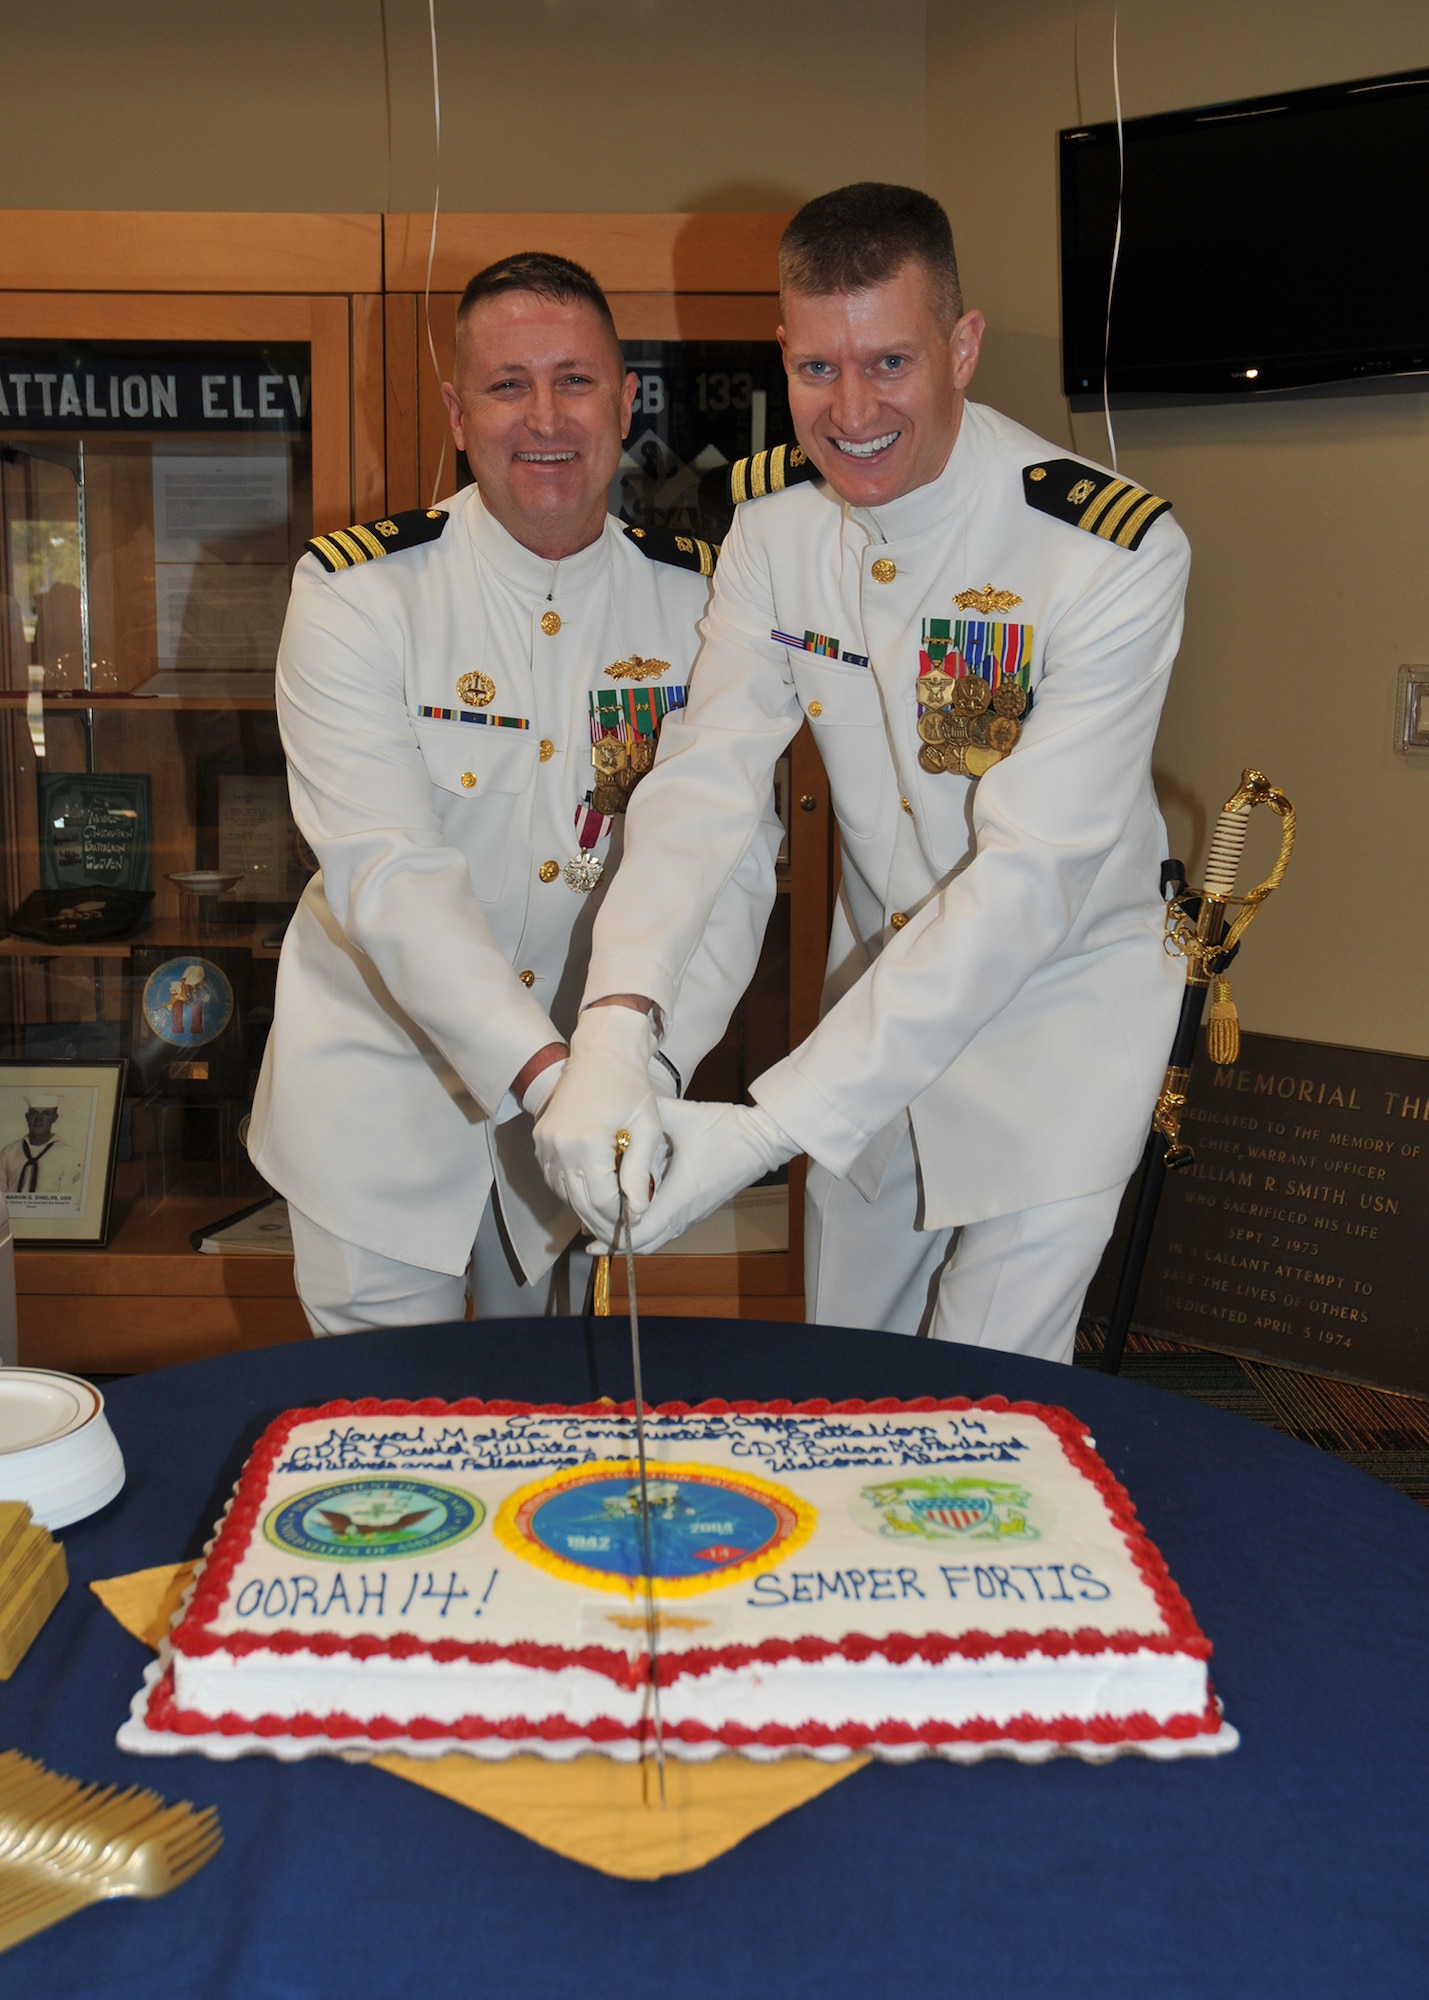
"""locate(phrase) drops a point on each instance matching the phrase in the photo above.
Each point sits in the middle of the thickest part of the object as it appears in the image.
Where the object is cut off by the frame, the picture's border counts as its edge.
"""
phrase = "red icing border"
(163, 1713)
(1181, 1635)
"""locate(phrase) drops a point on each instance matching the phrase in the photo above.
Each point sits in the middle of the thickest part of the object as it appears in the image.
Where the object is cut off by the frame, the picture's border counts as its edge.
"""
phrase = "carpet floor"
(1382, 1433)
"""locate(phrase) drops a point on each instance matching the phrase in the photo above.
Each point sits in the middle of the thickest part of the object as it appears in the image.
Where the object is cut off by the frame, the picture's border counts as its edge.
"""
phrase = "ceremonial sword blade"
(652, 1632)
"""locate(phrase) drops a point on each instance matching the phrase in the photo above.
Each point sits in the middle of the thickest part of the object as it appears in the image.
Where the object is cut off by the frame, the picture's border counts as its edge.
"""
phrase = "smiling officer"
(467, 696)
(980, 632)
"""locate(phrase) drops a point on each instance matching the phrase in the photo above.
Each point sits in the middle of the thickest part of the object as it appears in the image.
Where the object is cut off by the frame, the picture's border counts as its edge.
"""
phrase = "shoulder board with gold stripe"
(345, 548)
(684, 551)
(1099, 502)
(769, 472)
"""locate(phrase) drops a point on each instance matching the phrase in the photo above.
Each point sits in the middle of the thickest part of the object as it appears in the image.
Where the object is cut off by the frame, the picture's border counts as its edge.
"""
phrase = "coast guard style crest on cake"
(901, 1578)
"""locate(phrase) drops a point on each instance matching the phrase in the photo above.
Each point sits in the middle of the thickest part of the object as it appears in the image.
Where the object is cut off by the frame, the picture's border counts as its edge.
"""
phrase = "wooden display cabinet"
(119, 698)
(131, 420)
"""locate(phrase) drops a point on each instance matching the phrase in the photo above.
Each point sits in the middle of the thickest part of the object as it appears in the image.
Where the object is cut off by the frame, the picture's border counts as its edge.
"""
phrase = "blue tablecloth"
(1295, 1866)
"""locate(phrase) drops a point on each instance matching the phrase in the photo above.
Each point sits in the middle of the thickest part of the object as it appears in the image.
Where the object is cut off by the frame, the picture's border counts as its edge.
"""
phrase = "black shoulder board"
(685, 551)
(1097, 501)
(345, 548)
(769, 472)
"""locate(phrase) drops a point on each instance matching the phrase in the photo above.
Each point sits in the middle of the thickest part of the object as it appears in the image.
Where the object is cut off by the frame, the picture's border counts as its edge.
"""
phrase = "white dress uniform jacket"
(996, 964)
(438, 949)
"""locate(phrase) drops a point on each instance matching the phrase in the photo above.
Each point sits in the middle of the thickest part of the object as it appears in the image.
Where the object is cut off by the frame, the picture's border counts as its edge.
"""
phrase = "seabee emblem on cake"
(935, 1509)
(363, 1519)
(708, 1527)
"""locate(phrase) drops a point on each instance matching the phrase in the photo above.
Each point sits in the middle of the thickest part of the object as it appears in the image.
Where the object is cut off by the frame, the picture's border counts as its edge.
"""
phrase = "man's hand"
(604, 1088)
(717, 1149)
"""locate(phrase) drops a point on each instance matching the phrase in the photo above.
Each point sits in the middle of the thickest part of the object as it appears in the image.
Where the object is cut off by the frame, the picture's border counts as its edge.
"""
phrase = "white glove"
(540, 1088)
(604, 1088)
(716, 1149)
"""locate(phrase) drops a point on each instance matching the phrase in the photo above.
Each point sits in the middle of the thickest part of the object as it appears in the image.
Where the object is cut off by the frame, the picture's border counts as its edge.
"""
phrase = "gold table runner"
(590, 1809)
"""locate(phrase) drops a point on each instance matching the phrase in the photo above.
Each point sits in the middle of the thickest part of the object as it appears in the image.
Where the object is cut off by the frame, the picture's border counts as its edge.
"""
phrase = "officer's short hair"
(862, 235)
(539, 271)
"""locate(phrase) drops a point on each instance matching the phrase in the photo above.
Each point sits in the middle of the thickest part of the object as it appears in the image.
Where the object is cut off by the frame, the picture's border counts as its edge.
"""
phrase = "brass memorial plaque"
(1298, 1233)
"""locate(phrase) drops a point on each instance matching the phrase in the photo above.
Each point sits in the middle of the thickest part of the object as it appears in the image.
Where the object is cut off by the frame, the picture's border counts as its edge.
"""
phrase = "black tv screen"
(1266, 244)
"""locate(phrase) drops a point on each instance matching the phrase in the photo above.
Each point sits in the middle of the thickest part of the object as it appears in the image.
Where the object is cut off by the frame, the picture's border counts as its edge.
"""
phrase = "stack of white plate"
(56, 1448)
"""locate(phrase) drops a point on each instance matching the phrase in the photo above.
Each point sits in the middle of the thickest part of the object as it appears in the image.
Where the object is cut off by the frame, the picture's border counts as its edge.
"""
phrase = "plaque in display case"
(246, 830)
(94, 832)
(189, 1036)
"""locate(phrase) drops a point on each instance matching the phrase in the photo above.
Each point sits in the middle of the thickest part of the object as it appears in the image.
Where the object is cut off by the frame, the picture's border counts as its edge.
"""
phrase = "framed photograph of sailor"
(189, 1022)
(59, 1134)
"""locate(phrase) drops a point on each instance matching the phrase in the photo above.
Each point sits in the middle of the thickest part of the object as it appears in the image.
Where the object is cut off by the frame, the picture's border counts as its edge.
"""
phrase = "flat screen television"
(1266, 244)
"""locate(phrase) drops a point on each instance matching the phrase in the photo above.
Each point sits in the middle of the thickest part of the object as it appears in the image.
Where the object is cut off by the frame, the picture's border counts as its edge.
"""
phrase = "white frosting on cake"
(897, 1535)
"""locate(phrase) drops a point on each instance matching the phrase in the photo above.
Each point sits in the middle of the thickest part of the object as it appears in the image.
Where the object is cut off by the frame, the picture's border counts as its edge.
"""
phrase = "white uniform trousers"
(344, 1288)
(1014, 1282)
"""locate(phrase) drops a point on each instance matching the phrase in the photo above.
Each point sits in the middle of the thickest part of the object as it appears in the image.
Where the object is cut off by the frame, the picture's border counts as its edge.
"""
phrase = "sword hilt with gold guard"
(1201, 928)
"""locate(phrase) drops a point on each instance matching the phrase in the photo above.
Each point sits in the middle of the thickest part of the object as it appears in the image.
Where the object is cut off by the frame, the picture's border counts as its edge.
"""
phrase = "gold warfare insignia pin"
(636, 669)
(1083, 490)
(987, 599)
(476, 690)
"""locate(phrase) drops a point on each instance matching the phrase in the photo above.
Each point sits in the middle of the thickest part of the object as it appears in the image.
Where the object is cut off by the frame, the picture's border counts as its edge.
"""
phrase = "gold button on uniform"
(549, 870)
(527, 978)
(906, 807)
(550, 623)
(548, 749)
(816, 708)
(884, 571)
(468, 779)
(898, 920)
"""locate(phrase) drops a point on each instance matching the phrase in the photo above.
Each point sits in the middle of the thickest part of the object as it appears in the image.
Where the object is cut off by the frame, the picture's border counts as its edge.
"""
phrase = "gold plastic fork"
(64, 1845)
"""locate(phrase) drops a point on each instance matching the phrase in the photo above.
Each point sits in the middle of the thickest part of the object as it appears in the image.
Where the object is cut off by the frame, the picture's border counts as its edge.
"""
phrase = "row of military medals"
(624, 730)
(966, 726)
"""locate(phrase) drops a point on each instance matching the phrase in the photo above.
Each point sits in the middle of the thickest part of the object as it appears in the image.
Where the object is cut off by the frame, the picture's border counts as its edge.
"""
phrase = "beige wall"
(546, 104)
(1309, 520)
(1307, 517)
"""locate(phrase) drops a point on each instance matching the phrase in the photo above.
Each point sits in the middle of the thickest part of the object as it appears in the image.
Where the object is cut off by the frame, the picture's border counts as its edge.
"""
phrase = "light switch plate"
(1411, 714)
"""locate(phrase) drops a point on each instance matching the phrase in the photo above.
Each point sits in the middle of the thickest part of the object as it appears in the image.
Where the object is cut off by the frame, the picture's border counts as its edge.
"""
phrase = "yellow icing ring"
(508, 1532)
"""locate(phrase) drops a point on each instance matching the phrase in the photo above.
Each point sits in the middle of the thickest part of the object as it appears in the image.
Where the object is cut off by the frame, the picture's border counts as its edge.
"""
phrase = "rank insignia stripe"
(1100, 503)
(348, 548)
(683, 551)
(765, 472)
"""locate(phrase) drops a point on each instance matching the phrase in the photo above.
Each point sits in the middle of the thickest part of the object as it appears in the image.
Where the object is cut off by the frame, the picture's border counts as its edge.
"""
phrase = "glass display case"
(153, 501)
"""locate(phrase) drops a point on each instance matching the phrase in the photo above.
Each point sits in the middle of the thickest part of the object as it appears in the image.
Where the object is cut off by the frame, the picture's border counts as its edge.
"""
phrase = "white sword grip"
(1227, 849)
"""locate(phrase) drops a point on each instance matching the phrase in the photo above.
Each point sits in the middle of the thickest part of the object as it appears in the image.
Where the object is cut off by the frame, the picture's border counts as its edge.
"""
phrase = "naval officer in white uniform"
(435, 687)
(998, 1003)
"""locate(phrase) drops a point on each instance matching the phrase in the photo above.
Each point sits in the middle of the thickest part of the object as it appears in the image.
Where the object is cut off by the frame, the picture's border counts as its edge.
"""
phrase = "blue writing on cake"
(854, 1586)
(770, 1442)
(359, 1595)
(1028, 1583)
